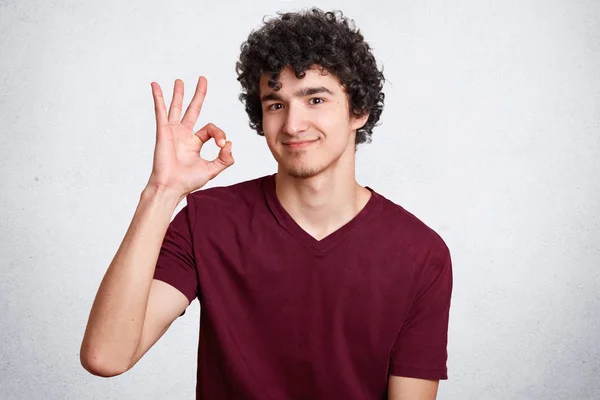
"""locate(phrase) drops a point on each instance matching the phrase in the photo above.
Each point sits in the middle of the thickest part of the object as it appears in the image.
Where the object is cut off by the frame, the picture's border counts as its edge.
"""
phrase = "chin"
(302, 172)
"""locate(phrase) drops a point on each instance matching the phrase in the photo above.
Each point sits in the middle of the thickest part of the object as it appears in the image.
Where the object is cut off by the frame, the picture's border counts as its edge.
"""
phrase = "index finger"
(193, 111)
(212, 131)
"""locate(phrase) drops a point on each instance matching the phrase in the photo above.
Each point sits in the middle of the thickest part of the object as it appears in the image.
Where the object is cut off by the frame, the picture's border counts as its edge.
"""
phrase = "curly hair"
(303, 39)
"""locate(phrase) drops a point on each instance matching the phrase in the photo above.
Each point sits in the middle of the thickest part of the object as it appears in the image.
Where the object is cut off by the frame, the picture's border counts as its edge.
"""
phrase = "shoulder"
(424, 254)
(411, 232)
(230, 195)
(224, 204)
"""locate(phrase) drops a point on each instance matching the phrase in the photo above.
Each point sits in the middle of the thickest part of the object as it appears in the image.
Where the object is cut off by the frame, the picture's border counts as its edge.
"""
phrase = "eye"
(274, 106)
(316, 100)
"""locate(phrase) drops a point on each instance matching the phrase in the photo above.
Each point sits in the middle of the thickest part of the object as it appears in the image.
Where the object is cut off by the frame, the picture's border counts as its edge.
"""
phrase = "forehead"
(314, 76)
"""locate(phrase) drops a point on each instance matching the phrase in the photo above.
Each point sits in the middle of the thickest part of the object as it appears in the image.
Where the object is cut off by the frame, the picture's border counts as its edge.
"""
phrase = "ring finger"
(176, 103)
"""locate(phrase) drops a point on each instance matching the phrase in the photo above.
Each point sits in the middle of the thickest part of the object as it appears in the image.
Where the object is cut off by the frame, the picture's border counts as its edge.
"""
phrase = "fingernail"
(222, 142)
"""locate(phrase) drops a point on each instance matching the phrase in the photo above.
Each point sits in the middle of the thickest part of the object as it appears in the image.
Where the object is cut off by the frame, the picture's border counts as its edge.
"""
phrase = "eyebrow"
(309, 91)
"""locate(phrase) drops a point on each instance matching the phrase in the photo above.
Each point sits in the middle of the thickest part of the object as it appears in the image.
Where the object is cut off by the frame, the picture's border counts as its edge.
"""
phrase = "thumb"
(224, 159)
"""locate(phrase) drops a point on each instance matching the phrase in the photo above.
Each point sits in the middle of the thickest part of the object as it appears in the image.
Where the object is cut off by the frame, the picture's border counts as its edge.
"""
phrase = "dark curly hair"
(303, 39)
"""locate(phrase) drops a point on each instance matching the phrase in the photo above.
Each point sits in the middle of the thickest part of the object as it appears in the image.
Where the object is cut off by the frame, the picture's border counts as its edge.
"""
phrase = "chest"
(360, 288)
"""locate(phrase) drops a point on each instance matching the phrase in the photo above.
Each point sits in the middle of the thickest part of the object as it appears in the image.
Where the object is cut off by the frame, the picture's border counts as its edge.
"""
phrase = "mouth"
(299, 144)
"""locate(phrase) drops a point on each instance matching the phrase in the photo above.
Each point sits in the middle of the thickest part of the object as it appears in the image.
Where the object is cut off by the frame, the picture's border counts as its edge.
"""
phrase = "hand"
(178, 167)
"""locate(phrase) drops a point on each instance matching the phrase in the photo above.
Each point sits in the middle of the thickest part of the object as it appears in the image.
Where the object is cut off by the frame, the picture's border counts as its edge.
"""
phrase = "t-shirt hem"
(173, 282)
(420, 373)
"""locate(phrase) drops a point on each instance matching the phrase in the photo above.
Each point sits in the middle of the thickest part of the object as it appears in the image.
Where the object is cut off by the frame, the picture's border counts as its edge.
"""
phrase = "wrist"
(162, 194)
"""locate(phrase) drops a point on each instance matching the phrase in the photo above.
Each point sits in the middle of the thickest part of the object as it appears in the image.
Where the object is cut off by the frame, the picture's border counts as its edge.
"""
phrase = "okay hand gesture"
(177, 166)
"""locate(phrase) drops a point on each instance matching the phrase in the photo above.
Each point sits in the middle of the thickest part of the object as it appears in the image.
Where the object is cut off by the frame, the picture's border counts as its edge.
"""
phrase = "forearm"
(117, 316)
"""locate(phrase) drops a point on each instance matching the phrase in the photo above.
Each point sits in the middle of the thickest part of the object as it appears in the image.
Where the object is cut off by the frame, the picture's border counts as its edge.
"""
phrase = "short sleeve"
(420, 349)
(176, 263)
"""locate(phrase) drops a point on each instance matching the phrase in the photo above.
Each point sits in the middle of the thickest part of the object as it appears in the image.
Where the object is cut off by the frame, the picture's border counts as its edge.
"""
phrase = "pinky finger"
(160, 109)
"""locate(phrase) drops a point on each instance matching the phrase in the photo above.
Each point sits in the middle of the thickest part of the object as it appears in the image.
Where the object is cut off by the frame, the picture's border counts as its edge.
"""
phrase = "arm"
(419, 355)
(132, 310)
(128, 305)
(404, 388)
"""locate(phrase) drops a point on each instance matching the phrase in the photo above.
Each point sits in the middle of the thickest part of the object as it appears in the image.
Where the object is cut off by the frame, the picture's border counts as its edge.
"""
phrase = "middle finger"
(193, 111)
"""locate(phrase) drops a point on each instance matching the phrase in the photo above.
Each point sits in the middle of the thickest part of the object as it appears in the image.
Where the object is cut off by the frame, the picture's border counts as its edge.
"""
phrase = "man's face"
(307, 123)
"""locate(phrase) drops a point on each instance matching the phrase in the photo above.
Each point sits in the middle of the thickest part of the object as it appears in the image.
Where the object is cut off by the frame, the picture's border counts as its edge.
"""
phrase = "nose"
(296, 121)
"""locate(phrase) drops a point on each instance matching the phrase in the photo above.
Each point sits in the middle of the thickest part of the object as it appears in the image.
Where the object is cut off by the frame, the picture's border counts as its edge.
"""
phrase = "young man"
(311, 286)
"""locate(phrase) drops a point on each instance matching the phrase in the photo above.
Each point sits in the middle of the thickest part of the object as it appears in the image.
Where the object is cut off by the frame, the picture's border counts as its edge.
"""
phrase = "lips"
(300, 142)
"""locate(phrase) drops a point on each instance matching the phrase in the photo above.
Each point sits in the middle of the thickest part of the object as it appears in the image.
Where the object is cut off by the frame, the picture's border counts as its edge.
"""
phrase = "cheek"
(269, 124)
(271, 129)
(335, 118)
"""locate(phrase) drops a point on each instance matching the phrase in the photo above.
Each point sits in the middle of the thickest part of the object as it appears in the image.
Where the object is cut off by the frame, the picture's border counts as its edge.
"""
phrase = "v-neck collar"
(288, 223)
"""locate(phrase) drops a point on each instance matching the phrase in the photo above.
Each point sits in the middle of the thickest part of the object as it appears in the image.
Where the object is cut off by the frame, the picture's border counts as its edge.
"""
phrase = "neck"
(322, 203)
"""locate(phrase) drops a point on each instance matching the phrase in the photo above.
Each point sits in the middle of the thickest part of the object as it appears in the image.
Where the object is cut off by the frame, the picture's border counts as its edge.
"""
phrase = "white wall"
(490, 134)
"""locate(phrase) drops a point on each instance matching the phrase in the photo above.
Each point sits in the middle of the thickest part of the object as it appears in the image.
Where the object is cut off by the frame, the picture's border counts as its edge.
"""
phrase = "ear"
(359, 122)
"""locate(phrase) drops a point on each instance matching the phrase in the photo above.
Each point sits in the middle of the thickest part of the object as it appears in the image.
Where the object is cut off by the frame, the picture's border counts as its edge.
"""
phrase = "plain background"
(490, 135)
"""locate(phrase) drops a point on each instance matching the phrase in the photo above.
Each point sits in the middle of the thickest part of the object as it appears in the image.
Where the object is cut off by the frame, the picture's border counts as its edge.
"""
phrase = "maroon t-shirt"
(286, 316)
